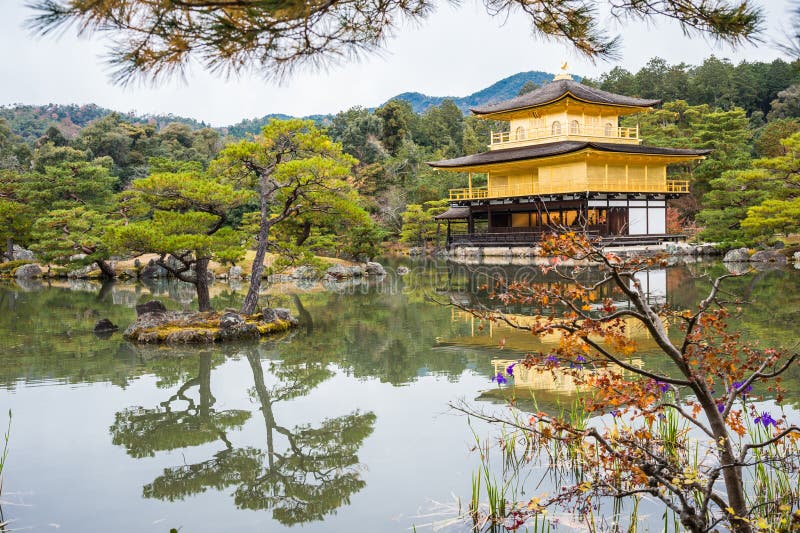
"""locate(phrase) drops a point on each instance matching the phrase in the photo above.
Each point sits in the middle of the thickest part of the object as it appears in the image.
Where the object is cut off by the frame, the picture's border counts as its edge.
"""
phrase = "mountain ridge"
(31, 121)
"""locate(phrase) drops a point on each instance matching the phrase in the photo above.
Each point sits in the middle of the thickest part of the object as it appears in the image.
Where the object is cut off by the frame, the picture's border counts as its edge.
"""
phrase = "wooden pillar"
(470, 224)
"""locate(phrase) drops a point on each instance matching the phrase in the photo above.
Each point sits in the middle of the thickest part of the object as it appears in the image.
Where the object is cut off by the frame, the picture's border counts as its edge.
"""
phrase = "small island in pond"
(155, 325)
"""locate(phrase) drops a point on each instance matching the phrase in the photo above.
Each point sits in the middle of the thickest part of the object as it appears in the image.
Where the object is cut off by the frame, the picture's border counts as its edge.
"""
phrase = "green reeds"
(4, 454)
(3, 457)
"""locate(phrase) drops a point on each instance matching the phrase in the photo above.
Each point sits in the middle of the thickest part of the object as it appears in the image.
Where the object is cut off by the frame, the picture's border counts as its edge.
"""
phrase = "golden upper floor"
(564, 110)
(563, 138)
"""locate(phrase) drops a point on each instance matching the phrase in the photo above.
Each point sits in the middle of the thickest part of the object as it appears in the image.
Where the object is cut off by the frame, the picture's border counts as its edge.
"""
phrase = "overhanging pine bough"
(158, 38)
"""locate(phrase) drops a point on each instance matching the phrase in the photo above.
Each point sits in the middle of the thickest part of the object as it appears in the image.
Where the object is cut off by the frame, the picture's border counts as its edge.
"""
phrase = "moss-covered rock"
(8, 268)
(180, 327)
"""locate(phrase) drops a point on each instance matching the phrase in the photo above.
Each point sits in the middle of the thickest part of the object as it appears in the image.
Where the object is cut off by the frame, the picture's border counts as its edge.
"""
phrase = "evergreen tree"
(186, 226)
(294, 169)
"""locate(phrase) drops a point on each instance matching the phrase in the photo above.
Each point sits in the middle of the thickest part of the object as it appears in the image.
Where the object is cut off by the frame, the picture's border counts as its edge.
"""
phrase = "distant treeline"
(753, 86)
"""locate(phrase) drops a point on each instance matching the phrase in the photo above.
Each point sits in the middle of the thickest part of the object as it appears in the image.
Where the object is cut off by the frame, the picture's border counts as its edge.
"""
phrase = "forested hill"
(506, 88)
(31, 121)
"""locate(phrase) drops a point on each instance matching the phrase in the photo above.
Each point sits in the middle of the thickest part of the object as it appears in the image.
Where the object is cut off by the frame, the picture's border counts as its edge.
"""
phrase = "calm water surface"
(343, 425)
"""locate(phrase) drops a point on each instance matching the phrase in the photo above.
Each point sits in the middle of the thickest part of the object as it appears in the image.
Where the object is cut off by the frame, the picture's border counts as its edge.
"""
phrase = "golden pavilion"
(565, 162)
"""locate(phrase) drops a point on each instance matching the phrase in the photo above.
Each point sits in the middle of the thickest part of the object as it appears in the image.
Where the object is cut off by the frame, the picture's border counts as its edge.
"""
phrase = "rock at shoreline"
(305, 272)
(338, 272)
(768, 256)
(152, 271)
(737, 255)
(235, 273)
(374, 269)
(181, 327)
(87, 272)
(28, 272)
(153, 306)
(230, 320)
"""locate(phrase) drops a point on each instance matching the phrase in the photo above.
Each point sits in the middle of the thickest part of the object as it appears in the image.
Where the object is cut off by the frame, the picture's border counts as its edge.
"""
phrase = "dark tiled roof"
(557, 89)
(537, 151)
(454, 212)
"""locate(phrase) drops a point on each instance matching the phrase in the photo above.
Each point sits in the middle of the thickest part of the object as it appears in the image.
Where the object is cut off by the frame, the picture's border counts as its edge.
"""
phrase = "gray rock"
(416, 250)
(768, 256)
(235, 272)
(402, 271)
(104, 325)
(272, 314)
(344, 272)
(77, 257)
(21, 254)
(231, 320)
(374, 269)
(82, 273)
(153, 271)
(737, 255)
(153, 306)
(283, 313)
(337, 272)
(28, 272)
(305, 272)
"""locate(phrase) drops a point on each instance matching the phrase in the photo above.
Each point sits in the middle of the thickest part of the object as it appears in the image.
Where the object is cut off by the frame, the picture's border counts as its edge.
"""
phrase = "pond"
(342, 425)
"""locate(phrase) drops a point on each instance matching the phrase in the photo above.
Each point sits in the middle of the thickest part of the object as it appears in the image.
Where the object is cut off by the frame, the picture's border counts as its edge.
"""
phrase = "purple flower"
(766, 420)
(552, 359)
(738, 385)
(500, 378)
(580, 359)
(616, 412)
(721, 407)
(510, 369)
(663, 387)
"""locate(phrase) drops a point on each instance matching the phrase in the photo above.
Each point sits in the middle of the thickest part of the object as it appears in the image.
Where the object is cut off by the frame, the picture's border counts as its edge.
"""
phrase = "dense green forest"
(69, 173)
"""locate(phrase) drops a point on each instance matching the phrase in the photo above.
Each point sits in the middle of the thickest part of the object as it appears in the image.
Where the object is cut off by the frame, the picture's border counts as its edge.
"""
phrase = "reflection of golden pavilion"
(537, 378)
(493, 333)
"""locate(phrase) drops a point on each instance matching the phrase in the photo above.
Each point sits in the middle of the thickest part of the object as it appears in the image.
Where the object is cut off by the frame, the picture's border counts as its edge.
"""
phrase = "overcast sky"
(454, 53)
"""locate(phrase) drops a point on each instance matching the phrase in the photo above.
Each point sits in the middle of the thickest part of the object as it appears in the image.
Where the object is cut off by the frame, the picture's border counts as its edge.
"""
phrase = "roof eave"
(568, 94)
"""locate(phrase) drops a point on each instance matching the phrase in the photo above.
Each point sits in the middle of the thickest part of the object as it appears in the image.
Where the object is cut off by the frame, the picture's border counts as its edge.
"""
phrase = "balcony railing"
(564, 131)
(531, 189)
(677, 185)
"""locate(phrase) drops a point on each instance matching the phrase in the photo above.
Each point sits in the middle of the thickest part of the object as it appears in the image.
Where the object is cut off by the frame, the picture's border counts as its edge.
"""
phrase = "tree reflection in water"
(302, 474)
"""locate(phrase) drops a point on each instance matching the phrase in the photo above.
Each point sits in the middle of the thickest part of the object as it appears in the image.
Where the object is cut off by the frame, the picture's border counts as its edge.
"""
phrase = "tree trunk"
(732, 476)
(201, 284)
(265, 200)
(304, 235)
(106, 269)
(10, 249)
(251, 300)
